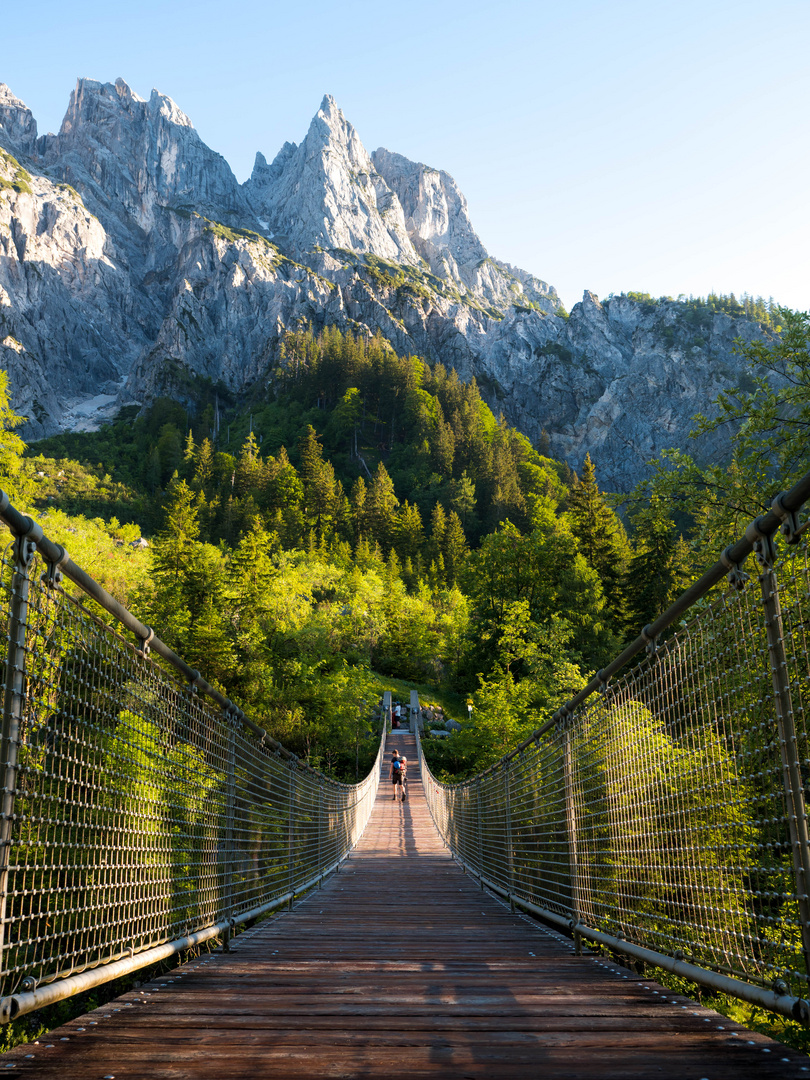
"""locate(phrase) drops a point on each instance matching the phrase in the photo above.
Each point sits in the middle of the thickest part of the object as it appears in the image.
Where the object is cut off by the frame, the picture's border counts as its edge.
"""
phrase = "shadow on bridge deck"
(400, 965)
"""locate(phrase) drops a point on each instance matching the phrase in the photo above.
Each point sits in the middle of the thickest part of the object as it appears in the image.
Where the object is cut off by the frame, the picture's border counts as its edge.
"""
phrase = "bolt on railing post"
(791, 769)
(13, 706)
(571, 830)
(230, 807)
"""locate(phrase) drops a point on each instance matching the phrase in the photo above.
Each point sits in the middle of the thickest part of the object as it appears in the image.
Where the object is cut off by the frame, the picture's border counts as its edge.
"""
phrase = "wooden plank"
(402, 964)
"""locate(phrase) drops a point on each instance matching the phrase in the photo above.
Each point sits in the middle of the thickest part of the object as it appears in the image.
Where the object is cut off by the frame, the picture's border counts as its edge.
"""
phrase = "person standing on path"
(403, 764)
(395, 773)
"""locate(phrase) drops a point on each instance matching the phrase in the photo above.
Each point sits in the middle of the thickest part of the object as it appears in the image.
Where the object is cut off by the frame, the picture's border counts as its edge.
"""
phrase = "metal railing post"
(791, 769)
(510, 855)
(291, 833)
(320, 831)
(480, 825)
(571, 831)
(230, 814)
(13, 707)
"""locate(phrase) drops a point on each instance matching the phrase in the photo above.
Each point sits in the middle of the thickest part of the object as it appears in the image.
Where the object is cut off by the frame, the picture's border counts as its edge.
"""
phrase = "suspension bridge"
(401, 962)
(474, 930)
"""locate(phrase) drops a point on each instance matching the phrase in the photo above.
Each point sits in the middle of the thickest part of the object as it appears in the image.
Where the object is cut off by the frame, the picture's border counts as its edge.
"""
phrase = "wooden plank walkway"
(401, 965)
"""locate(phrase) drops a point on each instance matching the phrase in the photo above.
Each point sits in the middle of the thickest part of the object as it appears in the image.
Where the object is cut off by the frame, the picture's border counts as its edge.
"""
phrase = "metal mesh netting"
(142, 813)
(659, 812)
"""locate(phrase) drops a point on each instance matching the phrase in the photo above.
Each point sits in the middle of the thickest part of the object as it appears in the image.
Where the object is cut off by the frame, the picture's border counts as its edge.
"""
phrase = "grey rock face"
(440, 229)
(138, 156)
(159, 266)
(326, 193)
(621, 380)
(229, 302)
(18, 128)
(68, 325)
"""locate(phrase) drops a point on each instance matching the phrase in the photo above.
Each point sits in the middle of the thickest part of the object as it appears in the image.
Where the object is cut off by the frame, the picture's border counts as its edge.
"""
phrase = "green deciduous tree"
(12, 446)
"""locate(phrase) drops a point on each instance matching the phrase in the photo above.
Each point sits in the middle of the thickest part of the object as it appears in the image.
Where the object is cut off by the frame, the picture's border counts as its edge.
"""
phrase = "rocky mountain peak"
(436, 217)
(18, 128)
(137, 156)
(332, 132)
(326, 193)
(168, 110)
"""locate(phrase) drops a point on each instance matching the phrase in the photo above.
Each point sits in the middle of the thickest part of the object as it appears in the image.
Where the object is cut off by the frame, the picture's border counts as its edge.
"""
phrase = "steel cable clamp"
(195, 682)
(52, 576)
(790, 528)
(652, 641)
(145, 642)
(26, 543)
(762, 543)
(737, 577)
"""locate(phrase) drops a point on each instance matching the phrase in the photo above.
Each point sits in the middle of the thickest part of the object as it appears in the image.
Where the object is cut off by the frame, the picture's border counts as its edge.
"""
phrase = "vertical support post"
(230, 813)
(320, 830)
(291, 832)
(571, 830)
(510, 854)
(13, 708)
(791, 770)
(480, 818)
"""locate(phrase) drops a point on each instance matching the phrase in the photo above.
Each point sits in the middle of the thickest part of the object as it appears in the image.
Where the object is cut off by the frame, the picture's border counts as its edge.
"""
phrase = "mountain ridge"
(133, 255)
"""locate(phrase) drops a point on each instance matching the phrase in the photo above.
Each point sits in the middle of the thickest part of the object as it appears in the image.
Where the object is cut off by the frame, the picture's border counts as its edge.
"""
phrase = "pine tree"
(602, 540)
(249, 467)
(438, 530)
(203, 465)
(358, 508)
(462, 498)
(189, 451)
(442, 444)
(659, 570)
(381, 504)
(455, 548)
(311, 454)
(408, 532)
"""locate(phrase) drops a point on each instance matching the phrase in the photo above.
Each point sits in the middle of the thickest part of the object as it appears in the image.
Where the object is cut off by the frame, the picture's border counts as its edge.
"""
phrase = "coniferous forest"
(366, 518)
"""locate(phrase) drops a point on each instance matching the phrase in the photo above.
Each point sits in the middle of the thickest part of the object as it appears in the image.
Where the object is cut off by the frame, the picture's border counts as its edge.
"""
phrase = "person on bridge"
(403, 763)
(395, 773)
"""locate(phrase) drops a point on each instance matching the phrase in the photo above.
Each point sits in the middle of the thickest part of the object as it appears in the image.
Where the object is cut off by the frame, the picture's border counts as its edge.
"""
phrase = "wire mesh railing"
(142, 812)
(662, 812)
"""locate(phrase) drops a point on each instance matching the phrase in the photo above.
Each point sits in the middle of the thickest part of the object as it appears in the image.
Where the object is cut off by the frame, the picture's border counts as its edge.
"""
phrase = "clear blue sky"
(609, 146)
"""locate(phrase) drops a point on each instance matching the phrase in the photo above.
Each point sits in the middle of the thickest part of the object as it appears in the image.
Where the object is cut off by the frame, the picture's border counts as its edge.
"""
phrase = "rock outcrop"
(69, 325)
(18, 128)
(140, 158)
(619, 380)
(326, 193)
(439, 226)
(131, 259)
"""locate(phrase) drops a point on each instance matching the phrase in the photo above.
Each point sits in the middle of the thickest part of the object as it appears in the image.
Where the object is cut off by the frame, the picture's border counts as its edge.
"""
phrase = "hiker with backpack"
(395, 774)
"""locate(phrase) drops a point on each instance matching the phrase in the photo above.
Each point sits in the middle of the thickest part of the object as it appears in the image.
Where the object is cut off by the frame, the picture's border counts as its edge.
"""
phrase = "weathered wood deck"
(402, 966)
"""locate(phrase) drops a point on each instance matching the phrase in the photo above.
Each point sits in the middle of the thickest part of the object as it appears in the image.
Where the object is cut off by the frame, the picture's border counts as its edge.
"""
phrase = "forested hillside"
(370, 517)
